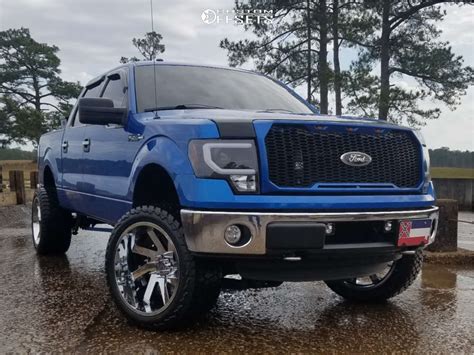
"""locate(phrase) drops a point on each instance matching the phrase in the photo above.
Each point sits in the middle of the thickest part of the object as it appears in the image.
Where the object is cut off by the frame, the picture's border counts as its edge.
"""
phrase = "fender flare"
(164, 152)
(47, 162)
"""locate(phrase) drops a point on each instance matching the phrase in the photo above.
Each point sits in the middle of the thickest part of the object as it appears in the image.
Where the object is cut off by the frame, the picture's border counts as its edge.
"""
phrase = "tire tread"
(55, 224)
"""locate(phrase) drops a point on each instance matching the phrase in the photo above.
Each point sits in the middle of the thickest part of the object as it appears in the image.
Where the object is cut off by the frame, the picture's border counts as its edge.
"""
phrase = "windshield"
(180, 87)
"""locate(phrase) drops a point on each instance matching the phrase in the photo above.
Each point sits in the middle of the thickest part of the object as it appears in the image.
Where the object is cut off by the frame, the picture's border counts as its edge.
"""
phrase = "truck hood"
(218, 115)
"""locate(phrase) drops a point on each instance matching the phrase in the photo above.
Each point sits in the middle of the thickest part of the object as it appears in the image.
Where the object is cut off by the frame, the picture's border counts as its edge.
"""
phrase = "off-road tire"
(208, 288)
(54, 226)
(199, 284)
(402, 276)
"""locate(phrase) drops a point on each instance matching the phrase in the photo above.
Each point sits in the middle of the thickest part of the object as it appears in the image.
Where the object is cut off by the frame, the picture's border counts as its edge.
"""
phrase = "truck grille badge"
(356, 159)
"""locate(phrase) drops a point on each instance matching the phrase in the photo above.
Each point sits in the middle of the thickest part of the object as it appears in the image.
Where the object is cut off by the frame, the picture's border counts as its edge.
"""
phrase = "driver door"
(108, 157)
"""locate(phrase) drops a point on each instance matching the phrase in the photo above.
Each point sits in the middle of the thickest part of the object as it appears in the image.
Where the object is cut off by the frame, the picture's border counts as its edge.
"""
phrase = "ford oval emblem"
(356, 159)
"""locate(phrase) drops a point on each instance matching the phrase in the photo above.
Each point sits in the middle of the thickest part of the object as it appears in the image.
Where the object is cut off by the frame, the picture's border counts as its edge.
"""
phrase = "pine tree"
(292, 48)
(407, 46)
(33, 97)
(149, 47)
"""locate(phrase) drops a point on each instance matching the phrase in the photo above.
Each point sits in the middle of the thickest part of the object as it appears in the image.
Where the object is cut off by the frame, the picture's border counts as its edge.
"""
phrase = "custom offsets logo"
(236, 17)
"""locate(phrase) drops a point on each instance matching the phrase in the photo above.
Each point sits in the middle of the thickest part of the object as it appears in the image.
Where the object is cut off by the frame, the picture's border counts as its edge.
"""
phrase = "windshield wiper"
(182, 107)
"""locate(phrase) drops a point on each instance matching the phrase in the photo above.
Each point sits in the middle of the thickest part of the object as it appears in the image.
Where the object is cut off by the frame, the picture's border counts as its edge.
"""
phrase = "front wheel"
(153, 278)
(396, 278)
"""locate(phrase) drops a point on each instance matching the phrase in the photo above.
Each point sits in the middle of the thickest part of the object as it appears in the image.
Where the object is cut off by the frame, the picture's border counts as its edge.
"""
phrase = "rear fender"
(48, 160)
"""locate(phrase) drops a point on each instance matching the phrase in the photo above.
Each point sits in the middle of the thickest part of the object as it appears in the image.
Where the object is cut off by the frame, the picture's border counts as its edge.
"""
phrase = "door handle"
(86, 145)
(65, 146)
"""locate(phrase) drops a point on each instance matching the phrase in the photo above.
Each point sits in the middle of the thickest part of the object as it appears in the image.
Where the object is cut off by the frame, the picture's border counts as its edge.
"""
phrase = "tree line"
(444, 157)
(16, 154)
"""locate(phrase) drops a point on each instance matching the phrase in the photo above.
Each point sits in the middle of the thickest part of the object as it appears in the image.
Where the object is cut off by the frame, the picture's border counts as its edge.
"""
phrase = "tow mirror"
(101, 111)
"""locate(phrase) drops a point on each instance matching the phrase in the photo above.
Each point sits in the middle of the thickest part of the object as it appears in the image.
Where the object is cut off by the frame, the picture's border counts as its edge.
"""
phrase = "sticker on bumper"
(414, 232)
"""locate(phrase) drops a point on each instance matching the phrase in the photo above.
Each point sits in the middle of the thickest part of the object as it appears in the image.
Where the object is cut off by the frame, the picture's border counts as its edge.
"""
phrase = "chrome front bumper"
(204, 230)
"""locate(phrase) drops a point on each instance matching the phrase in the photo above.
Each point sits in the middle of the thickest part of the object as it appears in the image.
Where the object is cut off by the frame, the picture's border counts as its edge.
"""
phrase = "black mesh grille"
(300, 156)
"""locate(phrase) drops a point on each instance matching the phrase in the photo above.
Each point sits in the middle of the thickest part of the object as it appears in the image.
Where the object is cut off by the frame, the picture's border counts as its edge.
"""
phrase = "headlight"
(420, 137)
(426, 160)
(233, 160)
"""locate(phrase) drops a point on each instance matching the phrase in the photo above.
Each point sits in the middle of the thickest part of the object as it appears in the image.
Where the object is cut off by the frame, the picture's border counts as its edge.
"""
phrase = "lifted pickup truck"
(206, 172)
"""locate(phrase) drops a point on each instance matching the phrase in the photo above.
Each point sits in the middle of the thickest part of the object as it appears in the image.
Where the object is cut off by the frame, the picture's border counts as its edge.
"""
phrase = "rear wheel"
(393, 280)
(50, 224)
(152, 277)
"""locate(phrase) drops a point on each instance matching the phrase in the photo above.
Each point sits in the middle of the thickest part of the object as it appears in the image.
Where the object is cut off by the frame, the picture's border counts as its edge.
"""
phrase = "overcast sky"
(93, 34)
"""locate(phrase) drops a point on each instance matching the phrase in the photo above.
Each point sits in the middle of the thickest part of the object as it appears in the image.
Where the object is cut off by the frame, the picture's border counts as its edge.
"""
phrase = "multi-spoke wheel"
(50, 224)
(146, 267)
(395, 278)
(153, 278)
(374, 280)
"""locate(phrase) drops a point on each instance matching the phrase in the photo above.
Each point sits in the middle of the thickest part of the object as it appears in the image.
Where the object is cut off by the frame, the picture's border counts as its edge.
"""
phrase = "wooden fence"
(17, 190)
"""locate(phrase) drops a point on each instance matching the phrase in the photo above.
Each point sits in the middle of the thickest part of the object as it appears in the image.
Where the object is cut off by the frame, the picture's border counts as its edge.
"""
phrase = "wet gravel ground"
(466, 230)
(62, 305)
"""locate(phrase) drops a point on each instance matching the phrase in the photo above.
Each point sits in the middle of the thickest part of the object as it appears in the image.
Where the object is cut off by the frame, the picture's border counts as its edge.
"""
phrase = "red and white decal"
(414, 232)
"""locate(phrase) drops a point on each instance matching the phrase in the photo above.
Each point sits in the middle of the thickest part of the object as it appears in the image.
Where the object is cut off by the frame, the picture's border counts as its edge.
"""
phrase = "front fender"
(164, 152)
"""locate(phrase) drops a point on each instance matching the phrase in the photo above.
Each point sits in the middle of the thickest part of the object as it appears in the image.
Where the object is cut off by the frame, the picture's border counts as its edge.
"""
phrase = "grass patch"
(452, 173)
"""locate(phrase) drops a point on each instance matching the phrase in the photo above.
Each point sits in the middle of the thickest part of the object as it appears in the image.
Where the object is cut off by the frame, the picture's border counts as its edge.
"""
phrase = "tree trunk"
(337, 65)
(323, 53)
(37, 94)
(308, 73)
(384, 100)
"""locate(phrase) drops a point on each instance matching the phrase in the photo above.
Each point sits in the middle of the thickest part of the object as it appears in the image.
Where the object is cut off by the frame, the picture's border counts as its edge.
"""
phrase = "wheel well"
(48, 179)
(155, 187)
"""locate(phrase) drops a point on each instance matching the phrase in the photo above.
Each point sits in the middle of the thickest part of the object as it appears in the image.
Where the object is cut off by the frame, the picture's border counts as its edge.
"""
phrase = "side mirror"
(101, 111)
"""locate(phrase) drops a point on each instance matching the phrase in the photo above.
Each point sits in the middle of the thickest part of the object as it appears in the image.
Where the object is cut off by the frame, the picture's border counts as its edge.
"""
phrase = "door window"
(116, 92)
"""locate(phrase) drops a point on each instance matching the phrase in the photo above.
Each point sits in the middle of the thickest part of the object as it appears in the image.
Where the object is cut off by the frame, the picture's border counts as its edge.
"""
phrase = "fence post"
(1, 179)
(447, 236)
(33, 180)
(17, 184)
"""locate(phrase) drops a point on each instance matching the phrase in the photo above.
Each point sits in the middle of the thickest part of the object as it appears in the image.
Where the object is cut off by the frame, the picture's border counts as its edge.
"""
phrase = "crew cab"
(206, 172)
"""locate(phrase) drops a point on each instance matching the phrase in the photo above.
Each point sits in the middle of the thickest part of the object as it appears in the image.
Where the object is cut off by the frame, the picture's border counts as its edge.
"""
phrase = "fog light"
(388, 226)
(244, 183)
(329, 228)
(232, 234)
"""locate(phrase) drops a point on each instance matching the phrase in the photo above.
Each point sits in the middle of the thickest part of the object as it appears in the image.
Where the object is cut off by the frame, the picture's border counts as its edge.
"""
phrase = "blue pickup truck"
(214, 174)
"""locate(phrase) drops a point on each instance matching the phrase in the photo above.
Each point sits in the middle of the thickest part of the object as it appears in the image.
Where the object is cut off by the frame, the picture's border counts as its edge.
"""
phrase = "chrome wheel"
(36, 220)
(374, 280)
(146, 268)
